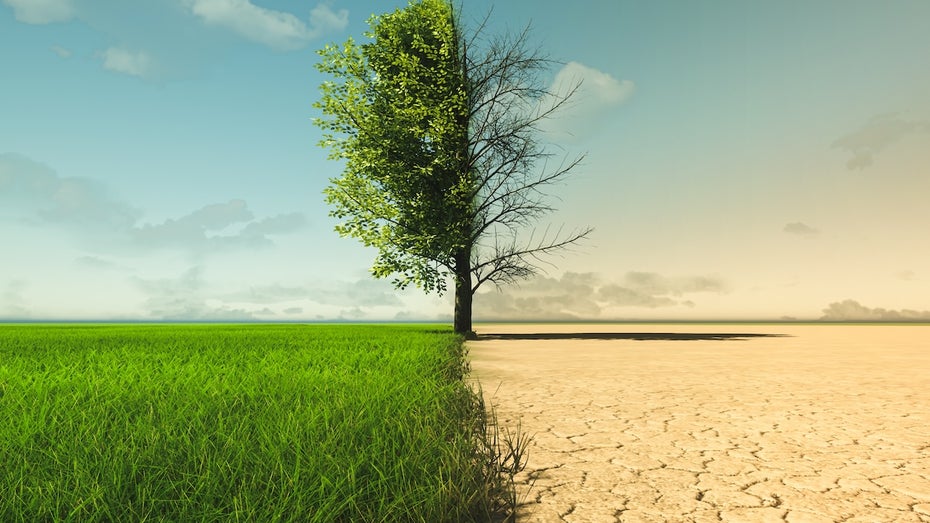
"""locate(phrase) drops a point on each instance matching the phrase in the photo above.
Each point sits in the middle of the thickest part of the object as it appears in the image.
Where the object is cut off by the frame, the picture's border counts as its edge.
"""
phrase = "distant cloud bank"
(587, 296)
(851, 310)
(33, 193)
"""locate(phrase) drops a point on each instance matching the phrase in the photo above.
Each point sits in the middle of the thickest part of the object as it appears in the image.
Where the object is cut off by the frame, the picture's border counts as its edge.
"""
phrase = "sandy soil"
(829, 424)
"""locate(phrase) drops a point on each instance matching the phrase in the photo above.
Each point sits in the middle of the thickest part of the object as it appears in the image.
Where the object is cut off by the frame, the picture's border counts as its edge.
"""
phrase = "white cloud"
(800, 229)
(324, 19)
(41, 11)
(589, 107)
(596, 88)
(127, 62)
(276, 29)
(851, 310)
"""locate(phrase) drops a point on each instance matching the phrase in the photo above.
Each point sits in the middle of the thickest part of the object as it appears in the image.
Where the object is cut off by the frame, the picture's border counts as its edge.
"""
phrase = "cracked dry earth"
(829, 423)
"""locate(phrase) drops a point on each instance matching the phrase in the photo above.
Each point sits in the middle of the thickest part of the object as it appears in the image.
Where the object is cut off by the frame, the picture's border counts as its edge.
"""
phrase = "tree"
(439, 135)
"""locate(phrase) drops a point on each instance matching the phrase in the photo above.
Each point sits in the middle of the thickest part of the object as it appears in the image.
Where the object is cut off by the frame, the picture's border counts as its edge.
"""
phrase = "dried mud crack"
(823, 425)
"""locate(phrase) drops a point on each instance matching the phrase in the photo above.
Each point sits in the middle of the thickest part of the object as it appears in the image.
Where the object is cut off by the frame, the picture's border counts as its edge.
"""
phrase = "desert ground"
(660, 422)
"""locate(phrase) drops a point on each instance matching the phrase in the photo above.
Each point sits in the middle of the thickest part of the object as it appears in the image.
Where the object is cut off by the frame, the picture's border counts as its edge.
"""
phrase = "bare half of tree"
(512, 168)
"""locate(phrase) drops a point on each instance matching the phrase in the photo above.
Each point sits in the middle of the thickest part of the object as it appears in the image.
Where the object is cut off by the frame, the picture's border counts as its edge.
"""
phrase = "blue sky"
(745, 160)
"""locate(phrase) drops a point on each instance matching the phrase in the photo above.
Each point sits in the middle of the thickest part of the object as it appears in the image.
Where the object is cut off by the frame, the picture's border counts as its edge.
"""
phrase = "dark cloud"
(585, 295)
(39, 196)
(568, 298)
(800, 229)
(656, 284)
(878, 134)
(201, 230)
(355, 313)
(625, 297)
(32, 193)
(851, 310)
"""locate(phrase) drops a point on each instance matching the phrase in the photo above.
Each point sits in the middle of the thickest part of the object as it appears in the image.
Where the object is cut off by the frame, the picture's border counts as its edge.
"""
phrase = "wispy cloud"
(133, 63)
(800, 229)
(95, 262)
(41, 11)
(588, 296)
(276, 29)
(878, 134)
(186, 298)
(191, 297)
(61, 51)
(12, 300)
(365, 292)
(852, 310)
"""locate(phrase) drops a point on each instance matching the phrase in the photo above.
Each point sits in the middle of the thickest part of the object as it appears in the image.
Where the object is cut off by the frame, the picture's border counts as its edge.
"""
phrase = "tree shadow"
(637, 336)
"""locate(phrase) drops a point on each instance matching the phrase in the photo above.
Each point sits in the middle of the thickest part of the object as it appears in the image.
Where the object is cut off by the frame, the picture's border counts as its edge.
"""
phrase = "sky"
(745, 160)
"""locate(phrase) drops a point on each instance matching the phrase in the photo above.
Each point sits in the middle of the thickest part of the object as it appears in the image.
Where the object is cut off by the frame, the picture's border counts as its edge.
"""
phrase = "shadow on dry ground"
(638, 336)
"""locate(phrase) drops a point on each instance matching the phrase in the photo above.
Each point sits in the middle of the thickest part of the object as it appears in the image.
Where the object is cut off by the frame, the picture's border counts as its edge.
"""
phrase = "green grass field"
(238, 423)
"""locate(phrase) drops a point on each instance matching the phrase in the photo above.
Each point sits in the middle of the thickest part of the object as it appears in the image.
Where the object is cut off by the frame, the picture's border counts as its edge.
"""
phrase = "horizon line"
(8, 321)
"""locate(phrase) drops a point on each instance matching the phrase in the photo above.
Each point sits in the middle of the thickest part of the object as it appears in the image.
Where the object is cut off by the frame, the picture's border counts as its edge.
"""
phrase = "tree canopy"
(439, 137)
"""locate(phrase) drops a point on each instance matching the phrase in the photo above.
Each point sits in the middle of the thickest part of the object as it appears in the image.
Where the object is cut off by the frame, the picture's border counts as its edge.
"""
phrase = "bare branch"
(509, 263)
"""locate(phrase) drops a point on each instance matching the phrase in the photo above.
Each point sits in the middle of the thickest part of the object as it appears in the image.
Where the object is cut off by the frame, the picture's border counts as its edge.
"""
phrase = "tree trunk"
(463, 294)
